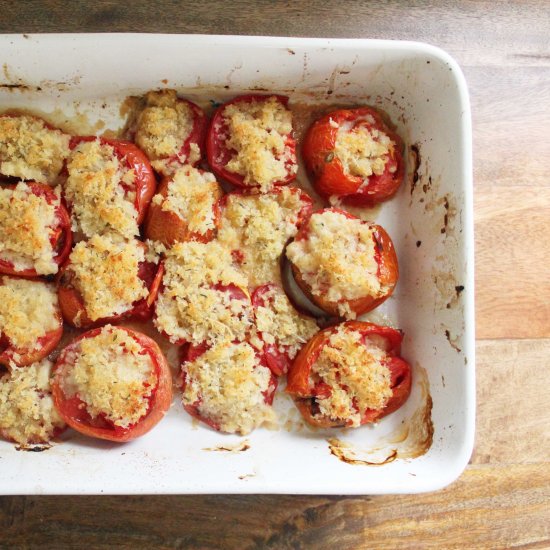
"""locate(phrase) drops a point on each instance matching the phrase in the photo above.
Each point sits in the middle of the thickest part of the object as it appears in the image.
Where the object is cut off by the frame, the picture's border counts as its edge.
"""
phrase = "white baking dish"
(430, 221)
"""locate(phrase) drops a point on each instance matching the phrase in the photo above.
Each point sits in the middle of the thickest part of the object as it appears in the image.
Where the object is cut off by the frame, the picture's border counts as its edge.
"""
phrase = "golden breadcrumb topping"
(95, 191)
(29, 150)
(189, 307)
(257, 133)
(27, 412)
(258, 227)
(354, 369)
(163, 127)
(28, 311)
(192, 195)
(228, 383)
(112, 376)
(105, 272)
(26, 222)
(337, 258)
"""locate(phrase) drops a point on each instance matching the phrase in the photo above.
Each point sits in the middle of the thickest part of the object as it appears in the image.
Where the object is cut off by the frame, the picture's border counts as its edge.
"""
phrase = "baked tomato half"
(282, 330)
(112, 383)
(35, 230)
(344, 265)
(170, 130)
(185, 208)
(108, 185)
(30, 321)
(352, 154)
(107, 279)
(350, 374)
(227, 385)
(31, 149)
(250, 142)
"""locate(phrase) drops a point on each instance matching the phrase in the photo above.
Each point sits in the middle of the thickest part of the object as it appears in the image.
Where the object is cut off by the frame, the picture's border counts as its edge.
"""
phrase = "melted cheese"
(188, 308)
(112, 376)
(362, 151)
(259, 226)
(98, 201)
(281, 325)
(28, 311)
(105, 272)
(163, 127)
(227, 384)
(257, 133)
(356, 374)
(191, 196)
(25, 228)
(27, 412)
(30, 150)
(337, 259)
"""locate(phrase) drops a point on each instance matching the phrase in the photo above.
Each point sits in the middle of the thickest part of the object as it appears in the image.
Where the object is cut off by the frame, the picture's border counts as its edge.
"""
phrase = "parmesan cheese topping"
(227, 384)
(257, 133)
(113, 376)
(337, 258)
(95, 191)
(25, 228)
(30, 150)
(189, 308)
(281, 325)
(163, 127)
(363, 151)
(28, 311)
(27, 412)
(105, 272)
(259, 226)
(192, 196)
(353, 368)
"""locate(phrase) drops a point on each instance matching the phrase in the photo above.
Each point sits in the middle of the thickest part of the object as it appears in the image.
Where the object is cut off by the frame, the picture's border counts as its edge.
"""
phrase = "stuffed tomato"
(112, 383)
(351, 154)
(350, 374)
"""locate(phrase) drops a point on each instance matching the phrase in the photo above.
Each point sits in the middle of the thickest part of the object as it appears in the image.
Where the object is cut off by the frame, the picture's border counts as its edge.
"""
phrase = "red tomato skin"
(135, 158)
(277, 360)
(327, 171)
(47, 344)
(300, 386)
(78, 419)
(168, 228)
(62, 239)
(191, 352)
(218, 155)
(388, 272)
(73, 307)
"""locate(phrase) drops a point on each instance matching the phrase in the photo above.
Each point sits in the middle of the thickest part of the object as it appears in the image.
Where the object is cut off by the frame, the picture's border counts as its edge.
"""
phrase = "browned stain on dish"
(33, 448)
(345, 452)
(452, 341)
(410, 440)
(237, 448)
(415, 161)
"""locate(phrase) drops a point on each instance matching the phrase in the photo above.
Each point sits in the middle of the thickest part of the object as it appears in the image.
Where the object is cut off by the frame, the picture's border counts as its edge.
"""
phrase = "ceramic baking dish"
(84, 79)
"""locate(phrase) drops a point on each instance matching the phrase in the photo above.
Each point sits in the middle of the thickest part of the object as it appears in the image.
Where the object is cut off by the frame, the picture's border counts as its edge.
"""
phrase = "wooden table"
(503, 498)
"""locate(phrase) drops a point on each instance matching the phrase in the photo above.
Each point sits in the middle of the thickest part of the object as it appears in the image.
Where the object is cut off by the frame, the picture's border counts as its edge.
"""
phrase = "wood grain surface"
(503, 498)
